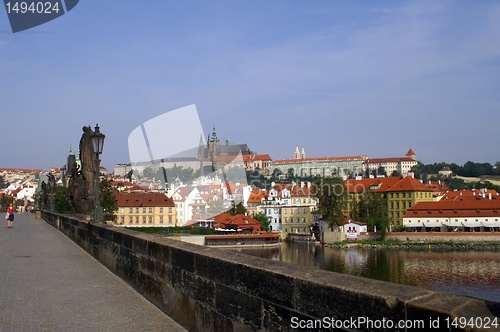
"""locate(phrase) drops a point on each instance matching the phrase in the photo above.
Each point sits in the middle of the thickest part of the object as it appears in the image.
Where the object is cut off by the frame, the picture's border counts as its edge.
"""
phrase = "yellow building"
(403, 195)
(399, 193)
(145, 210)
(297, 216)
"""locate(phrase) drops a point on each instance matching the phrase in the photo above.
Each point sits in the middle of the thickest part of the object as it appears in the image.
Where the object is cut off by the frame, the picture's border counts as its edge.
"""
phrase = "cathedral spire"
(296, 154)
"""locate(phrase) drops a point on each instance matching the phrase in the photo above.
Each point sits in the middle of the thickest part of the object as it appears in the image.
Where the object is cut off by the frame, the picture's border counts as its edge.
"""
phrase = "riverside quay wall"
(209, 289)
(437, 237)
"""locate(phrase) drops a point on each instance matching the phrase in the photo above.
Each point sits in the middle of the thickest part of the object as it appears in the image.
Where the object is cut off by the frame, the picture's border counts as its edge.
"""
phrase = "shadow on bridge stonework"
(208, 289)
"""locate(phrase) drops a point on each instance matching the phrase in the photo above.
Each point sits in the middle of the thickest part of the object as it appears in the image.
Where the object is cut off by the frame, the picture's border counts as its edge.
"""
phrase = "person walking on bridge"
(10, 218)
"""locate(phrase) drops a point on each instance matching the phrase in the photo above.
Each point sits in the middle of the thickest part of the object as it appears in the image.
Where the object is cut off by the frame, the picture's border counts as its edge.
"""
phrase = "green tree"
(372, 209)
(381, 171)
(129, 175)
(237, 209)
(5, 201)
(395, 173)
(332, 196)
(216, 206)
(108, 200)
(61, 204)
(264, 221)
(455, 183)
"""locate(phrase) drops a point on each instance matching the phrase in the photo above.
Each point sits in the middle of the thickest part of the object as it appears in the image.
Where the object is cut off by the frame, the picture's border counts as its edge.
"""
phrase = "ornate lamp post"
(98, 143)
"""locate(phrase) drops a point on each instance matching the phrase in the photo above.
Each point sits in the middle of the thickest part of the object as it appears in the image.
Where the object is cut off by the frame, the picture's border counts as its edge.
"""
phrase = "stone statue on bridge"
(81, 185)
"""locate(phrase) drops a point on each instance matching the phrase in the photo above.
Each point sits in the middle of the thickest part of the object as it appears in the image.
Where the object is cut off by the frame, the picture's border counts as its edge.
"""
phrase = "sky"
(338, 78)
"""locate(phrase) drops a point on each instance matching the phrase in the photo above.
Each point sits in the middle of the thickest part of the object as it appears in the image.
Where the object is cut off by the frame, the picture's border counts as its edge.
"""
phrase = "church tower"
(303, 154)
(213, 145)
(411, 154)
(201, 149)
(296, 154)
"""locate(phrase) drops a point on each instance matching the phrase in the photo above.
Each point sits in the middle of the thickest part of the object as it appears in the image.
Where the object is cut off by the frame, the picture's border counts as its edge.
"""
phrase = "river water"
(469, 273)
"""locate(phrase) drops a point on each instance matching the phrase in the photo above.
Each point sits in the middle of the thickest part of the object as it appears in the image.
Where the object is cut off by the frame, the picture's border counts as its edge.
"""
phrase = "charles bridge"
(159, 284)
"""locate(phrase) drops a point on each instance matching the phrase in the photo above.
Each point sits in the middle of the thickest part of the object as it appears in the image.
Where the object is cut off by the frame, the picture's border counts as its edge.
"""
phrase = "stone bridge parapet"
(209, 289)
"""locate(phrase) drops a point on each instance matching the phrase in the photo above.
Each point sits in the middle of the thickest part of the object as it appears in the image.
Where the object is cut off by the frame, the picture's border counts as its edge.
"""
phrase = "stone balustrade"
(209, 289)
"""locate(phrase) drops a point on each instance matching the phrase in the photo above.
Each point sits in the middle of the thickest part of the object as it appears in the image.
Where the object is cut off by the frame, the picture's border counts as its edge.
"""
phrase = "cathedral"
(214, 149)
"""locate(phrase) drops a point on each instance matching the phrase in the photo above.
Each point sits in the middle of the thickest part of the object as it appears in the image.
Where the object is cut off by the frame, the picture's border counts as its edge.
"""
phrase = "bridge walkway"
(48, 283)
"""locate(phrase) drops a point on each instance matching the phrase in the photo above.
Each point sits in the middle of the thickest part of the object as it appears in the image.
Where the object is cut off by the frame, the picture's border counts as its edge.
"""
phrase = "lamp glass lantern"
(98, 143)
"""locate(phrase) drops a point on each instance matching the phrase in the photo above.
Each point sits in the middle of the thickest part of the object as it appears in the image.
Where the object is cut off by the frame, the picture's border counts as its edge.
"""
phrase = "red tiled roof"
(470, 195)
(387, 160)
(456, 208)
(240, 221)
(457, 205)
(409, 184)
(143, 200)
(257, 195)
(24, 170)
(286, 161)
(411, 153)
(254, 157)
(301, 191)
(367, 184)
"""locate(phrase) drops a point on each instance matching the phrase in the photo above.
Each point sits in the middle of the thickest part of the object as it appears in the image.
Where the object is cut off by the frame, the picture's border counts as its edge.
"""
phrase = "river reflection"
(469, 273)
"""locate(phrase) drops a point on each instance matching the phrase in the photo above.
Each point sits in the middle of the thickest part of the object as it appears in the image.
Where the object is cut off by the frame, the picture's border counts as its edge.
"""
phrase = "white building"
(454, 216)
(352, 229)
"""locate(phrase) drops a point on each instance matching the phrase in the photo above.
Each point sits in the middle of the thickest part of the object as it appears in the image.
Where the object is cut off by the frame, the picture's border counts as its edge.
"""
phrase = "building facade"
(402, 165)
(324, 167)
(143, 209)
(469, 215)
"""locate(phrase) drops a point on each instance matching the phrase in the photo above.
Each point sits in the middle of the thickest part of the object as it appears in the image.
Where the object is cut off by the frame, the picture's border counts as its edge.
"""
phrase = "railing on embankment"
(206, 289)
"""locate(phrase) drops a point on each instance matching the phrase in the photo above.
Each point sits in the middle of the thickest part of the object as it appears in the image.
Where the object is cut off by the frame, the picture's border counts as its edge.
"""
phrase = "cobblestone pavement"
(48, 283)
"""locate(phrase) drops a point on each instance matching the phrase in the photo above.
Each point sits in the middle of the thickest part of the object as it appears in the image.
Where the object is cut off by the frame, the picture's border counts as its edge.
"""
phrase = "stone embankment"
(419, 246)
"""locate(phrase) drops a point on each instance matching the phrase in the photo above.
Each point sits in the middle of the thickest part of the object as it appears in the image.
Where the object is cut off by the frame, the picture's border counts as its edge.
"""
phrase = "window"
(150, 219)
(304, 211)
(143, 210)
(169, 210)
(122, 219)
(136, 210)
(169, 219)
(122, 210)
(131, 210)
(150, 210)
(161, 210)
(143, 219)
(161, 219)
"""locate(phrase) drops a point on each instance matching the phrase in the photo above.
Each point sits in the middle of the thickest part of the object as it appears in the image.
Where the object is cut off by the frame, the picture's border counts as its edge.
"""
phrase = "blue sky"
(335, 77)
